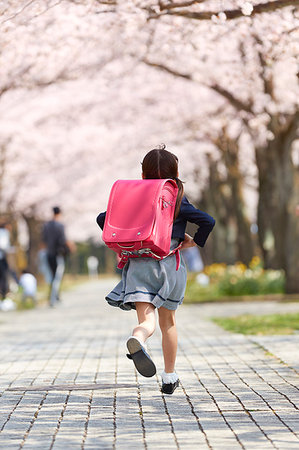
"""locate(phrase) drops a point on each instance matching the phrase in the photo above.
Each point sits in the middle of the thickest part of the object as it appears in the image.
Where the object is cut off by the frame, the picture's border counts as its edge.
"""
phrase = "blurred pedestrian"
(92, 265)
(53, 236)
(28, 285)
(193, 259)
(43, 265)
(6, 303)
(3, 275)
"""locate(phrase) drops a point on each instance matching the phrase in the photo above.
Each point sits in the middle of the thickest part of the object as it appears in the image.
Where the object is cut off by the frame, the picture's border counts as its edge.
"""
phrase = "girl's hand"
(188, 242)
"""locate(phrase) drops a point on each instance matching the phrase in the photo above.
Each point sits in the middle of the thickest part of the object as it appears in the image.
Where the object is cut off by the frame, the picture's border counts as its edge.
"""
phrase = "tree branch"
(168, 6)
(234, 101)
(230, 13)
(65, 74)
(12, 84)
(35, 15)
(61, 76)
(19, 11)
(168, 70)
(267, 81)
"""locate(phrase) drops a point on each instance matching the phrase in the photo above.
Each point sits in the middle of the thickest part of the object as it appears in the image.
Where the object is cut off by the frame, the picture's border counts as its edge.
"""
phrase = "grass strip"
(260, 325)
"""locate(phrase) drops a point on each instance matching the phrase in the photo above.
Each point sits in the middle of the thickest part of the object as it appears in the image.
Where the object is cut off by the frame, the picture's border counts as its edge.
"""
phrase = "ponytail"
(179, 197)
(160, 163)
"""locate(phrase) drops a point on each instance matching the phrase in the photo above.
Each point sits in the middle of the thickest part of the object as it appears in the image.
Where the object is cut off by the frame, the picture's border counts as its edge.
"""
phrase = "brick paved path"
(66, 383)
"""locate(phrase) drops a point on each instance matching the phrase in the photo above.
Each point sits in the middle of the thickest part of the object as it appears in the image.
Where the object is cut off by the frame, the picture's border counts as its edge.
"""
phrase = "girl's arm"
(188, 242)
(204, 221)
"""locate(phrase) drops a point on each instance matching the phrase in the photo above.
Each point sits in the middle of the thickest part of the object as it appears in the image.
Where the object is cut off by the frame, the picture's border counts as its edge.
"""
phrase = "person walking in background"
(148, 284)
(6, 304)
(43, 265)
(28, 284)
(92, 266)
(57, 248)
(193, 259)
(4, 246)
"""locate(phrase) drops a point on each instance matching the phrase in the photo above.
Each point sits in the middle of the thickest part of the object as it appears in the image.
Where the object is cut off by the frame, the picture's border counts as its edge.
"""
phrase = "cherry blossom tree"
(87, 87)
(265, 101)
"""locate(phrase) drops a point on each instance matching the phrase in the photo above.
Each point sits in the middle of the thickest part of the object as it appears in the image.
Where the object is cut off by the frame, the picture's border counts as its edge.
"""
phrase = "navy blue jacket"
(188, 213)
(53, 236)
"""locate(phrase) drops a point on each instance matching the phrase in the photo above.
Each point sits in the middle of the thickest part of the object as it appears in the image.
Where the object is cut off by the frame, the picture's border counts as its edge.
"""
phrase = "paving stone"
(66, 383)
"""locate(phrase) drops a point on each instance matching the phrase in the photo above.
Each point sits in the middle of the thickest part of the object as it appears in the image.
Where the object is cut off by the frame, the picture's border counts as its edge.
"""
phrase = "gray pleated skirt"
(151, 281)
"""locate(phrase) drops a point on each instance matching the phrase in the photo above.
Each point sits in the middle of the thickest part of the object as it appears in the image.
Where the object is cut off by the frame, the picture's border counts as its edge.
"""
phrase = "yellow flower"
(255, 262)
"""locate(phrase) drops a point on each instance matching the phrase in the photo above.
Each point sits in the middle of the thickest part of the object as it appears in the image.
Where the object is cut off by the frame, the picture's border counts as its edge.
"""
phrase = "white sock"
(169, 377)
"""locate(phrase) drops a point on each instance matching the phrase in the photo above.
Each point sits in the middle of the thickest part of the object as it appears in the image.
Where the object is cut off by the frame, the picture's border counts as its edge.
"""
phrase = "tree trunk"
(230, 155)
(292, 239)
(216, 201)
(278, 194)
(34, 227)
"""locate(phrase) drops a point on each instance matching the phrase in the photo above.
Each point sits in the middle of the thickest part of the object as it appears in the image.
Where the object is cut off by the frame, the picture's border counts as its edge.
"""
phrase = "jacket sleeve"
(101, 219)
(204, 221)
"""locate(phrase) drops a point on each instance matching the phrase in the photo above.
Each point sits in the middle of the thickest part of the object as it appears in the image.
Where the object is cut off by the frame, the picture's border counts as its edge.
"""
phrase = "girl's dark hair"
(159, 163)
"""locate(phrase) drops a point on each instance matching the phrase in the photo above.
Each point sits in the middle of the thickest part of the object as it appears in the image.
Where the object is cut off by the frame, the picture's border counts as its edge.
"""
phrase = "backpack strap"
(175, 252)
(125, 255)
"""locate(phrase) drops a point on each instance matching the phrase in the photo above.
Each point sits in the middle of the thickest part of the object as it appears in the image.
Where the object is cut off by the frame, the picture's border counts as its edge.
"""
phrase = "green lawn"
(269, 324)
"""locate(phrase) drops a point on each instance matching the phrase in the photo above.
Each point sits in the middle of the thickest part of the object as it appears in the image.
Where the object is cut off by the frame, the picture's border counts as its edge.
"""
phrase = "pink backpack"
(139, 218)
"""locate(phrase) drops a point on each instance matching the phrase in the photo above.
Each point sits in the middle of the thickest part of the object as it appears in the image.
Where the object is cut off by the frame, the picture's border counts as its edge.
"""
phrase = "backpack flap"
(137, 209)
(131, 210)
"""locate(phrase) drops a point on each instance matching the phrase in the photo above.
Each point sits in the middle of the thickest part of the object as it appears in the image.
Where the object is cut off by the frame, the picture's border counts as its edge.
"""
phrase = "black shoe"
(141, 358)
(169, 388)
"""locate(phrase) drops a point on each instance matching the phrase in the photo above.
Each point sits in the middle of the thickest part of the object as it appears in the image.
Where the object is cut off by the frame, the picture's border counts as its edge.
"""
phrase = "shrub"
(237, 279)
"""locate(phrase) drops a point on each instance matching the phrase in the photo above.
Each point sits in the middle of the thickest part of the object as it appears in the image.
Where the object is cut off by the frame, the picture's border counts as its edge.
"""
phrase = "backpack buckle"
(165, 203)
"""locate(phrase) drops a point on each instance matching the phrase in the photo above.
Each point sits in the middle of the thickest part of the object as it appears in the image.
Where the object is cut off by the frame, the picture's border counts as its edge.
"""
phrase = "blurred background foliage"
(87, 88)
(219, 281)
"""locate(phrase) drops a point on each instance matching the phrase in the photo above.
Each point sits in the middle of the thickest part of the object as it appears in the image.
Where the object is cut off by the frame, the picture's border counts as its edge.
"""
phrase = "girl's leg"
(146, 327)
(169, 337)
(146, 320)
